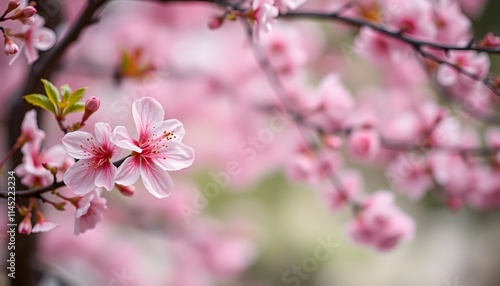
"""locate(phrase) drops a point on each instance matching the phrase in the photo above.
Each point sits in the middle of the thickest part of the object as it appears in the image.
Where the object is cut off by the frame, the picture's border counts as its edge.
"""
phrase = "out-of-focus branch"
(282, 94)
(419, 45)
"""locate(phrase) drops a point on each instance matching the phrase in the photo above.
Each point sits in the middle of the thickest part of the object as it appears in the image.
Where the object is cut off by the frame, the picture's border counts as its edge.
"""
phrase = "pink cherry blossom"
(452, 173)
(90, 209)
(364, 143)
(490, 40)
(157, 150)
(410, 175)
(43, 225)
(413, 18)
(284, 5)
(473, 7)
(32, 170)
(25, 225)
(472, 62)
(29, 128)
(453, 26)
(311, 167)
(375, 47)
(10, 48)
(95, 154)
(380, 223)
(265, 14)
(486, 194)
(352, 185)
(35, 37)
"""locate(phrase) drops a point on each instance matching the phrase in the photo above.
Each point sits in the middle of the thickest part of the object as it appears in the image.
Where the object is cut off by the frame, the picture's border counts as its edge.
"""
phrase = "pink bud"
(332, 141)
(364, 144)
(126, 190)
(490, 41)
(13, 4)
(11, 48)
(25, 225)
(28, 11)
(91, 105)
(215, 23)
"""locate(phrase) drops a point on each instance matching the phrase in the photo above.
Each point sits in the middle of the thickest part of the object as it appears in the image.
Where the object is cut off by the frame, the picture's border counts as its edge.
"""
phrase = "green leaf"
(66, 92)
(76, 107)
(41, 100)
(52, 92)
(126, 60)
(76, 95)
(73, 99)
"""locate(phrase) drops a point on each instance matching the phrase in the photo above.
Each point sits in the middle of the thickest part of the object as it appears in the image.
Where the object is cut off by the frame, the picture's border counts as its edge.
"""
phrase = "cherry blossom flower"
(157, 150)
(409, 175)
(472, 62)
(311, 167)
(35, 37)
(10, 48)
(284, 5)
(265, 14)
(95, 154)
(43, 225)
(352, 184)
(90, 209)
(364, 143)
(29, 128)
(380, 223)
(25, 225)
(32, 171)
(490, 41)
(453, 26)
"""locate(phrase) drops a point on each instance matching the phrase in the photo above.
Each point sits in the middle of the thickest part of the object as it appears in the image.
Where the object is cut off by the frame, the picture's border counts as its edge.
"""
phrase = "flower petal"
(121, 138)
(128, 172)
(44, 39)
(81, 177)
(156, 180)
(176, 158)
(16, 56)
(78, 144)
(175, 127)
(446, 75)
(147, 113)
(102, 132)
(106, 176)
(44, 226)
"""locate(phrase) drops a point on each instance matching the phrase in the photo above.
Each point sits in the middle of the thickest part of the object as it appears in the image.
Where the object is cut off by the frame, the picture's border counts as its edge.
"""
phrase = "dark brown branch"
(394, 34)
(55, 185)
(417, 44)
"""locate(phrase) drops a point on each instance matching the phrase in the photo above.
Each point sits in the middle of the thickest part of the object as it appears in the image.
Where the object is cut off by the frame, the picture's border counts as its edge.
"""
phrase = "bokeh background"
(260, 223)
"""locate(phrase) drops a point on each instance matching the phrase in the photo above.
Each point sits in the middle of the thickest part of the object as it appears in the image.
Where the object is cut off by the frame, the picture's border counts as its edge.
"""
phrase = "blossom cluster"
(158, 149)
(425, 149)
(31, 36)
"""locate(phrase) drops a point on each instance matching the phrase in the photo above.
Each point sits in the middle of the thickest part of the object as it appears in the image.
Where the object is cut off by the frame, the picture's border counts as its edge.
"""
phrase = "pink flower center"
(100, 155)
(152, 145)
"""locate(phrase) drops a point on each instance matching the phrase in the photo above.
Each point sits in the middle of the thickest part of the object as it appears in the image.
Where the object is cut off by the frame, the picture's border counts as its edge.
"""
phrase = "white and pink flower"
(32, 169)
(35, 37)
(90, 209)
(42, 225)
(157, 150)
(380, 223)
(95, 154)
(265, 14)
